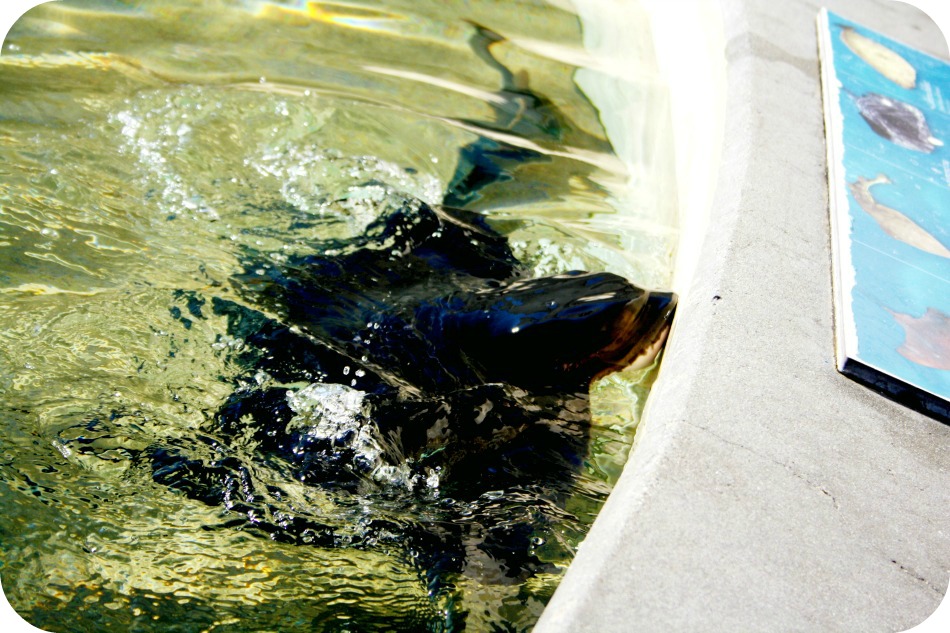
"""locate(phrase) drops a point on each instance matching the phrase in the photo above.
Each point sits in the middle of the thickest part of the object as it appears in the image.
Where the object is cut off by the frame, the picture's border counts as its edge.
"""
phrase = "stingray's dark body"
(463, 367)
(417, 313)
(466, 369)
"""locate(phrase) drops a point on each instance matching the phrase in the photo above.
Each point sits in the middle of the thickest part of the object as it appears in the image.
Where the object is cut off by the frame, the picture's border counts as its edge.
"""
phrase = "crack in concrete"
(916, 576)
(788, 467)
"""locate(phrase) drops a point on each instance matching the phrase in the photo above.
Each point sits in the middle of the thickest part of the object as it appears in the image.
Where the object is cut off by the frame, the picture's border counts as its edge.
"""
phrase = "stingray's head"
(562, 330)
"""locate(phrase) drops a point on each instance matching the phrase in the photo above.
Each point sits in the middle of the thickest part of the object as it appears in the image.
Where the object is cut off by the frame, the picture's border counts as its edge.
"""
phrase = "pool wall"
(765, 491)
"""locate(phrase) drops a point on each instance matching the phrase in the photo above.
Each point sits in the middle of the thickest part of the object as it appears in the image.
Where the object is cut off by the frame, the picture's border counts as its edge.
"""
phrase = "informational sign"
(887, 120)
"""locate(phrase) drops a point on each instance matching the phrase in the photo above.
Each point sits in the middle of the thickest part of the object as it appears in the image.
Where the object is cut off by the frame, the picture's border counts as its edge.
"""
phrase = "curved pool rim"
(764, 490)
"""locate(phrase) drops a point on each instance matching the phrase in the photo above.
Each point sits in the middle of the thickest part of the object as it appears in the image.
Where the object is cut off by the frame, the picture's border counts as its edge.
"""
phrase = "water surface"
(143, 147)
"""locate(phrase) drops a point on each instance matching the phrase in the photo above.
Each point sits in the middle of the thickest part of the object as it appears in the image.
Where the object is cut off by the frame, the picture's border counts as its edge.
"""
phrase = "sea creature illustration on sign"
(927, 338)
(899, 122)
(892, 221)
(881, 58)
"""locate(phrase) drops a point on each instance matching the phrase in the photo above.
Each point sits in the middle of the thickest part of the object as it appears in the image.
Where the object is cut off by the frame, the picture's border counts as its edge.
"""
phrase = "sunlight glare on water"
(142, 146)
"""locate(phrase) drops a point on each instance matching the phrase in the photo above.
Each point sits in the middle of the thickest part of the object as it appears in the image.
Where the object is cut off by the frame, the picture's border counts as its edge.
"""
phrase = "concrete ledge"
(765, 491)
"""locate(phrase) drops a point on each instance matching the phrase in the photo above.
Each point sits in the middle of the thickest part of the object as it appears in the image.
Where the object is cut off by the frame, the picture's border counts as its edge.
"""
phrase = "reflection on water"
(145, 146)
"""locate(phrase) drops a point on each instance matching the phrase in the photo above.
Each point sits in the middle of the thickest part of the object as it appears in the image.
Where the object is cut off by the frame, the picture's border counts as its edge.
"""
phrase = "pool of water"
(144, 146)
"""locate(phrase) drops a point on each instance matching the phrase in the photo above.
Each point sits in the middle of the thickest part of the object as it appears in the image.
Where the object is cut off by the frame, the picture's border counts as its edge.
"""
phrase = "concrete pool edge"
(765, 491)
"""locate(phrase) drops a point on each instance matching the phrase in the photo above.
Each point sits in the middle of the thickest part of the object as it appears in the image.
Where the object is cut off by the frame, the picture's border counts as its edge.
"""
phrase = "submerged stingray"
(418, 357)
(897, 121)
(416, 365)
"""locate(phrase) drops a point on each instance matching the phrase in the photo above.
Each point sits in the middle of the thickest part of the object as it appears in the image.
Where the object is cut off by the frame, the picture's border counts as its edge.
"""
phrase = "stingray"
(418, 366)
(901, 123)
(417, 357)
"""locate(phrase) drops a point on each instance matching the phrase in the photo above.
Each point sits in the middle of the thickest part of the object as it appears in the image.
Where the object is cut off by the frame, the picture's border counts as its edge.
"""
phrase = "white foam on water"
(339, 414)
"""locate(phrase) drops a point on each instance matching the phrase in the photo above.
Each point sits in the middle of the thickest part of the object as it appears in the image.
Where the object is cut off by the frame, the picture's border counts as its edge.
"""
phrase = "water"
(145, 146)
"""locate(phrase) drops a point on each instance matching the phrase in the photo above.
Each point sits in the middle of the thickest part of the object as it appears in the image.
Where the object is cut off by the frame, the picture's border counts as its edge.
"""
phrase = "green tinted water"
(141, 145)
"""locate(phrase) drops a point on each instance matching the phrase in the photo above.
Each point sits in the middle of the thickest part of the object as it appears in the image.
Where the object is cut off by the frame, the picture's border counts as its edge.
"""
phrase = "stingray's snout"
(659, 308)
(559, 330)
(641, 332)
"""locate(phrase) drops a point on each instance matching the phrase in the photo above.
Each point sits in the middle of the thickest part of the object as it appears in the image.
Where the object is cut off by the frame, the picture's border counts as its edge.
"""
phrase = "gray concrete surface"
(765, 491)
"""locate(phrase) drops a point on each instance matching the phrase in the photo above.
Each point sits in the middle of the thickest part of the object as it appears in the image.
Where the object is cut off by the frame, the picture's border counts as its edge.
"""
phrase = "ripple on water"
(142, 156)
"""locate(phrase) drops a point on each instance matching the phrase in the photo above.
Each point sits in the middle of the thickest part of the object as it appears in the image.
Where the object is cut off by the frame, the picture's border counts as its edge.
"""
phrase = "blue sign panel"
(887, 114)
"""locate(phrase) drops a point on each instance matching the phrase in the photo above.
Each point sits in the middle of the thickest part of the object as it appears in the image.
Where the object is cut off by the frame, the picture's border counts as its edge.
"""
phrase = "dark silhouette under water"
(417, 370)
(415, 355)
